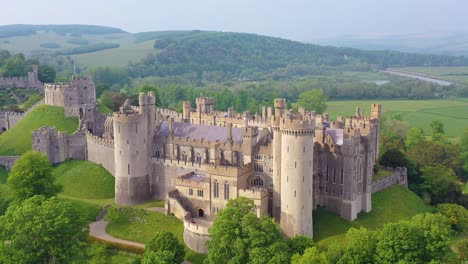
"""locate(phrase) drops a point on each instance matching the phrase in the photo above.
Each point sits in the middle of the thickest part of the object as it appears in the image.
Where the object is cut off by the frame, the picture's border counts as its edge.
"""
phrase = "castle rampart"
(28, 82)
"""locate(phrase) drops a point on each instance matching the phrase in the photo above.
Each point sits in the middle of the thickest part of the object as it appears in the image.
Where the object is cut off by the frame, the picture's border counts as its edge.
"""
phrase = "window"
(226, 191)
(216, 189)
(258, 157)
(128, 168)
(327, 175)
(257, 181)
(258, 167)
(200, 193)
(334, 176)
(342, 178)
(198, 157)
(190, 191)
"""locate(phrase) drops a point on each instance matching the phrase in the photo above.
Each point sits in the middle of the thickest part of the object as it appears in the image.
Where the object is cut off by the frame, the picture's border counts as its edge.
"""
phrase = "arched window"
(198, 157)
(184, 156)
(158, 153)
(226, 191)
(216, 189)
(257, 181)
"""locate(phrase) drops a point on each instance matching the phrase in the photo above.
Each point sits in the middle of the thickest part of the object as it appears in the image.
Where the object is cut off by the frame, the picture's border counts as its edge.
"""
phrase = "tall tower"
(186, 108)
(132, 143)
(280, 105)
(297, 151)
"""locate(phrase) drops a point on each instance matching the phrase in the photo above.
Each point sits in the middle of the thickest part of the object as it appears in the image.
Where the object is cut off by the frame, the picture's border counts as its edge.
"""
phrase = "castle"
(287, 162)
(30, 81)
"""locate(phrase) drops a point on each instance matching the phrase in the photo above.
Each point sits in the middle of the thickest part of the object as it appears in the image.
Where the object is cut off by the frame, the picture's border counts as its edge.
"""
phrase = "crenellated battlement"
(230, 171)
(100, 141)
(289, 124)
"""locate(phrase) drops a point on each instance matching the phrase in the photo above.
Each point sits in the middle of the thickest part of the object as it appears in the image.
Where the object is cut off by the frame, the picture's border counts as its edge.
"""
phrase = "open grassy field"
(418, 113)
(390, 205)
(141, 226)
(455, 74)
(18, 140)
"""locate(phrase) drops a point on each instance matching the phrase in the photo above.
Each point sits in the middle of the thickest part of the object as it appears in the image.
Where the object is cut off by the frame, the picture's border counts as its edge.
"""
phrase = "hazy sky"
(293, 19)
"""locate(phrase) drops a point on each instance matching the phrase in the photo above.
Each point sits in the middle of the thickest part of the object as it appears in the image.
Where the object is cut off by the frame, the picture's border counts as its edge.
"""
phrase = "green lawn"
(418, 113)
(141, 226)
(18, 140)
(390, 205)
(465, 188)
(84, 179)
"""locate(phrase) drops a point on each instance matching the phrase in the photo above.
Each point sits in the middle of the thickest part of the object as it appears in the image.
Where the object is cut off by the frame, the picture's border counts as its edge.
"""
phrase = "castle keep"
(287, 162)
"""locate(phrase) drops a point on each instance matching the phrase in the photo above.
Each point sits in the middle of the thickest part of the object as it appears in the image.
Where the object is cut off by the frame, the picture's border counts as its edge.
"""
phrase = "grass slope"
(4, 193)
(84, 179)
(418, 113)
(390, 205)
(142, 226)
(18, 140)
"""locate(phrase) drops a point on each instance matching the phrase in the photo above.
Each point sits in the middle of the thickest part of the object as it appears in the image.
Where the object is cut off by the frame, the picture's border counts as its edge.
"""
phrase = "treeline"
(17, 65)
(87, 49)
(226, 56)
(26, 30)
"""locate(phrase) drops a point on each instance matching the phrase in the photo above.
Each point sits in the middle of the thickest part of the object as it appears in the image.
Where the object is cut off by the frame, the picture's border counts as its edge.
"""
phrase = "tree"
(166, 241)
(47, 74)
(456, 214)
(361, 246)
(437, 130)
(462, 250)
(238, 236)
(430, 152)
(313, 100)
(32, 175)
(464, 150)
(160, 257)
(299, 244)
(42, 230)
(414, 136)
(399, 242)
(98, 253)
(311, 255)
(393, 158)
(101, 88)
(434, 230)
(441, 184)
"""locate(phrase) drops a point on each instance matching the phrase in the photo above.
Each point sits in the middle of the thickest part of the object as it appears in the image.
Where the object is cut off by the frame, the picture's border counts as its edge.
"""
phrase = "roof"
(207, 132)
(336, 134)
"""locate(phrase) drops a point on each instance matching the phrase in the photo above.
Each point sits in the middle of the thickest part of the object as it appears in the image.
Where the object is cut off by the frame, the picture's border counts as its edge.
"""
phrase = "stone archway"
(201, 212)
(3, 130)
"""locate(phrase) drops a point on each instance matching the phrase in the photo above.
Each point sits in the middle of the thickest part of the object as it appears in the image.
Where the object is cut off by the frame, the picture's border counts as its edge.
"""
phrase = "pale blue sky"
(293, 19)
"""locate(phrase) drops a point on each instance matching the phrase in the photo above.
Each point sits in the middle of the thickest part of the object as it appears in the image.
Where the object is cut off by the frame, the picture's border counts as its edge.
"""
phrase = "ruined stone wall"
(100, 151)
(10, 119)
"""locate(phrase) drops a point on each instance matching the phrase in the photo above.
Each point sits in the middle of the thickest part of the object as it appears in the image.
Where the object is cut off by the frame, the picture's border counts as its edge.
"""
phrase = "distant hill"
(25, 30)
(454, 44)
(240, 55)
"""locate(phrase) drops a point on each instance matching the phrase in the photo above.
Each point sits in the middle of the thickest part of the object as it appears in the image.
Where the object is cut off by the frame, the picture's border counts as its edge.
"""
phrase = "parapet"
(205, 100)
(256, 194)
(147, 99)
(296, 125)
(280, 103)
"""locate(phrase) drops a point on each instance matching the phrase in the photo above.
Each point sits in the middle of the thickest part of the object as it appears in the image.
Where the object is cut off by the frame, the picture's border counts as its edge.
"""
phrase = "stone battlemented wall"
(8, 161)
(10, 119)
(59, 146)
(28, 82)
(100, 151)
(398, 177)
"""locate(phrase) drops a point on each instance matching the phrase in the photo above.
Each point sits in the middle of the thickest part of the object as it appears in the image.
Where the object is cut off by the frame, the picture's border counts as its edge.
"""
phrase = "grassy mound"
(390, 205)
(18, 140)
(141, 226)
(84, 179)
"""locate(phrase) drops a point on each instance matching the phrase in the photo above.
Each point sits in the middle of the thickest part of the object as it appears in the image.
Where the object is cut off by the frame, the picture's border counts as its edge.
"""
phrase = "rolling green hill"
(390, 205)
(18, 140)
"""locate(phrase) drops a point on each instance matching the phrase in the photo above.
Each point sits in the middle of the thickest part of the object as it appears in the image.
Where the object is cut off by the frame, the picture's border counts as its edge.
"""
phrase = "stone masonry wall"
(101, 151)
(10, 119)
(398, 176)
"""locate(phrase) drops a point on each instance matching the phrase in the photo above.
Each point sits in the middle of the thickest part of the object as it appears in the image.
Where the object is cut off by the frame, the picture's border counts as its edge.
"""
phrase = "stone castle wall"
(100, 151)
(8, 161)
(29, 82)
(59, 146)
(10, 119)
(398, 177)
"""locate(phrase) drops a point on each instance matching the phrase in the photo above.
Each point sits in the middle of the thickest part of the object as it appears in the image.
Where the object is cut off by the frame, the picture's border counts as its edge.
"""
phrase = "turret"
(131, 153)
(186, 108)
(296, 157)
(280, 107)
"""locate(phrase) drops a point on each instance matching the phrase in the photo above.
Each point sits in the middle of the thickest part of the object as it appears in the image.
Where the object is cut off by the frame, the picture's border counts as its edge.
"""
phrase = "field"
(455, 74)
(141, 226)
(418, 113)
(18, 140)
(390, 205)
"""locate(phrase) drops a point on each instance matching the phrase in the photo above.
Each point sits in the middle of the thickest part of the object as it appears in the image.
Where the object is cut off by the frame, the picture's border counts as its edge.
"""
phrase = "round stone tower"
(131, 154)
(186, 108)
(297, 145)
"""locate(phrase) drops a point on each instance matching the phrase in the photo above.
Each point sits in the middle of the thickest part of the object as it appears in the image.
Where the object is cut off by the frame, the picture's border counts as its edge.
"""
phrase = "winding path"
(98, 229)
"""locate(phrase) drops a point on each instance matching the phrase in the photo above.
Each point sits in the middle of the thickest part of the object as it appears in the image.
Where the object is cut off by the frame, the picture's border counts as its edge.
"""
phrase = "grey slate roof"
(211, 133)
(336, 134)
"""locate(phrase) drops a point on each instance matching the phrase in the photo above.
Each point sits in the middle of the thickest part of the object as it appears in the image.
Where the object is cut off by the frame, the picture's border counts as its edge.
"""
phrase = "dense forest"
(219, 56)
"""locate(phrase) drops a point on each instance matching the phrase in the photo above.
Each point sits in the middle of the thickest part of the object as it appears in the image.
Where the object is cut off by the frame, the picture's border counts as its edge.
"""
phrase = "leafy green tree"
(434, 230)
(166, 241)
(313, 100)
(148, 88)
(15, 66)
(441, 184)
(101, 88)
(462, 250)
(464, 150)
(457, 216)
(298, 244)
(47, 74)
(42, 230)
(238, 236)
(414, 136)
(393, 158)
(361, 246)
(311, 255)
(98, 253)
(160, 257)
(399, 242)
(437, 130)
(430, 152)
(32, 175)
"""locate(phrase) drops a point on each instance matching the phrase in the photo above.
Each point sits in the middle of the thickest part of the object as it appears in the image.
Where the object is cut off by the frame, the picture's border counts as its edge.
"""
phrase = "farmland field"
(455, 74)
(418, 113)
